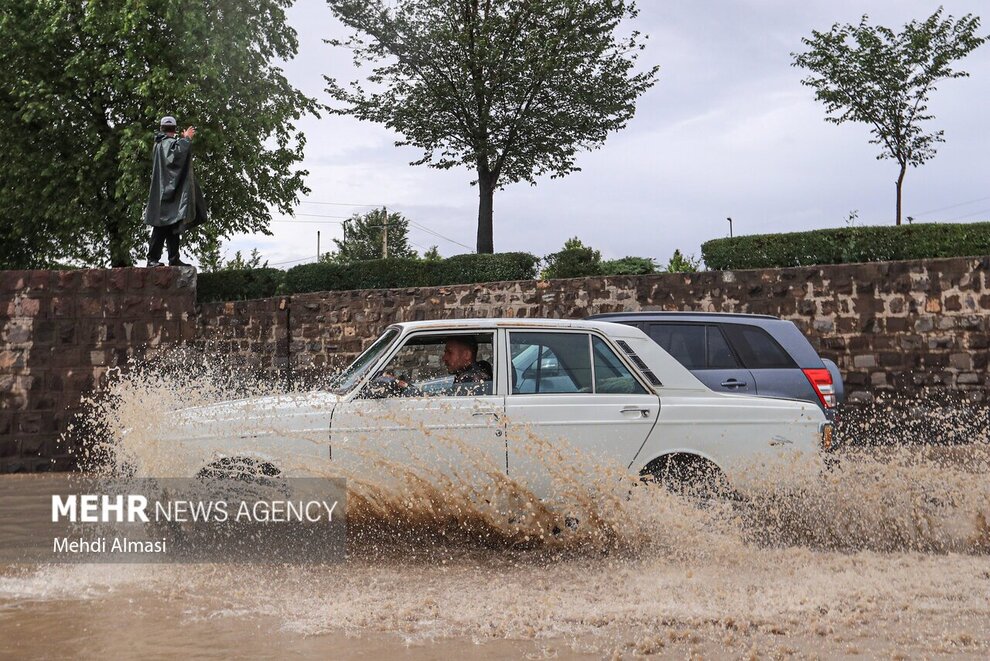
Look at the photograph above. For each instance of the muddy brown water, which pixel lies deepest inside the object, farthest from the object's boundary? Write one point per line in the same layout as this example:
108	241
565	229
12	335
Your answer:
886	557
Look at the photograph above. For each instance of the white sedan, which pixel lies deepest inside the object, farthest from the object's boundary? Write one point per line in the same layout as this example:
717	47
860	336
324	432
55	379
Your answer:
497	394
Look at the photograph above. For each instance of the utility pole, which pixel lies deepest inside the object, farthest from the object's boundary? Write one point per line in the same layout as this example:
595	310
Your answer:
385	233
317	245
730	227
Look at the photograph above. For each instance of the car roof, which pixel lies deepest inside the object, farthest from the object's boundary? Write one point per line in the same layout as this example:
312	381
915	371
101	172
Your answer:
609	328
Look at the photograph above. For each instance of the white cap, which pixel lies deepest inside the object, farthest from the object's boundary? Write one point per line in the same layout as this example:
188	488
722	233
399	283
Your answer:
168	120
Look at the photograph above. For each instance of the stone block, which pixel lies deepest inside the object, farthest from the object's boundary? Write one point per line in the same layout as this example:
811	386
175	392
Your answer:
67	281
961	361
12	281
40	280
946	323
969	378
895	325
823	325
864	362
93	279
63	306
35	423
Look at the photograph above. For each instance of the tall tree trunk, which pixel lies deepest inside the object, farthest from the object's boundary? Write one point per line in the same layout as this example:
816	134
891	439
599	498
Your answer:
119	252
486	209
900	184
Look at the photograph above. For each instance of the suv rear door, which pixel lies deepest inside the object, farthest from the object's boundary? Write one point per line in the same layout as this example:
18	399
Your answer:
775	371
703	349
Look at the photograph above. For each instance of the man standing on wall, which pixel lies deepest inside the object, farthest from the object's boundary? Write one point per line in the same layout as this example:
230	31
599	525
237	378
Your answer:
175	202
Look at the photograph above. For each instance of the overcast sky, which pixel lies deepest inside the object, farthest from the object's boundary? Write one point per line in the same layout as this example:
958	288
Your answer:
728	130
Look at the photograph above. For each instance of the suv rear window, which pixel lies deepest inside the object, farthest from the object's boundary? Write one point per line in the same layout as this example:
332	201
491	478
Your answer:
756	348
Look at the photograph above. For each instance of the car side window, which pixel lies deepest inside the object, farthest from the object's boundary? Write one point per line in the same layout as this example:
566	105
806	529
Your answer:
431	365
685	342
757	348
611	374
720	356
546	362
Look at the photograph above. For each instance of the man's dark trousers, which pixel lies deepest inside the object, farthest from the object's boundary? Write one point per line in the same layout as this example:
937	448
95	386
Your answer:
161	235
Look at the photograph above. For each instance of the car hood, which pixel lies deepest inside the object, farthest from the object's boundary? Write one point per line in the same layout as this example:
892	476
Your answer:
268	407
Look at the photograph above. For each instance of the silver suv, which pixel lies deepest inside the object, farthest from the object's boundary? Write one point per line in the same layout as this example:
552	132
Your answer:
743	353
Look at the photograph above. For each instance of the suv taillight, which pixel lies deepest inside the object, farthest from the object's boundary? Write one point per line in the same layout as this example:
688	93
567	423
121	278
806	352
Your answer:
821	381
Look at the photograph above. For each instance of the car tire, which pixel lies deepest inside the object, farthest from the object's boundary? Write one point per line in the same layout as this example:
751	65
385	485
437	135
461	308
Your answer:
248	469
688	475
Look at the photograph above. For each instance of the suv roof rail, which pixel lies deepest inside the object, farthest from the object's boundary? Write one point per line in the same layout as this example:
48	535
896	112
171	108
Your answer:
676	313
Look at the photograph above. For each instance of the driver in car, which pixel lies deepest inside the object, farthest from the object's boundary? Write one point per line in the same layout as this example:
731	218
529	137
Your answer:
472	377
460	357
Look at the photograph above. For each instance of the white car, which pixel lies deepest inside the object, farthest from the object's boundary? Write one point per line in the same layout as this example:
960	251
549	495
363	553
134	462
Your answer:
604	389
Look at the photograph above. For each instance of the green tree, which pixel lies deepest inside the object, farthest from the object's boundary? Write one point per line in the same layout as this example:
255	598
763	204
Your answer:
364	234
576	260
83	84
678	263
432	255
870	74
511	89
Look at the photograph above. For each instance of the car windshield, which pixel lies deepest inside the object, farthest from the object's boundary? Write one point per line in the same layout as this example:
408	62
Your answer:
344	382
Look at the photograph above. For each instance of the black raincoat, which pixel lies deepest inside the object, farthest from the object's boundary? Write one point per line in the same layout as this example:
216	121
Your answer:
175	196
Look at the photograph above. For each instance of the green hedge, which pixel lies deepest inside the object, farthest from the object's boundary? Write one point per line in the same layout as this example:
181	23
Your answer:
238	285
369	274
392	273
500	267
629	266
847	245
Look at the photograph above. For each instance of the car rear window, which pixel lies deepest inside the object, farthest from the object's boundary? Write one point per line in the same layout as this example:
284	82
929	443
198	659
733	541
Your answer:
696	346
547	362
756	348
685	342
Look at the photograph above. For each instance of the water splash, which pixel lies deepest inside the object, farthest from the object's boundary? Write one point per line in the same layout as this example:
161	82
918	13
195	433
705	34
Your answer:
891	543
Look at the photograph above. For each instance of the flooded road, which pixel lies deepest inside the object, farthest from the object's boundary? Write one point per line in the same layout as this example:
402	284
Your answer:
887	556
704	584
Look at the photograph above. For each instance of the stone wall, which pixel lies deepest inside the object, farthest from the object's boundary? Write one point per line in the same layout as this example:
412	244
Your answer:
889	326
61	332
894	327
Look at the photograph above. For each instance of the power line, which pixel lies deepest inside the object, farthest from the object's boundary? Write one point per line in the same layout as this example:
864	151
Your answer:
439	235
311	222
969	215
291	261
413	223
340	204
321	215
951	206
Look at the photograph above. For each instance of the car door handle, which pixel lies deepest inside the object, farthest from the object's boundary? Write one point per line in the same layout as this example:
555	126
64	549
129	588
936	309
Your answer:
732	383
478	414
640	411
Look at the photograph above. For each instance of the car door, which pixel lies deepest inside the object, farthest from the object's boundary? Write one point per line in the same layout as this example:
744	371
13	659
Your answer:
570	391
703	349
775	372
430	428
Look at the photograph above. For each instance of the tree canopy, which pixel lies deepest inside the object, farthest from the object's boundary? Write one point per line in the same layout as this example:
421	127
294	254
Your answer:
83	85
364	234
512	89
871	74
